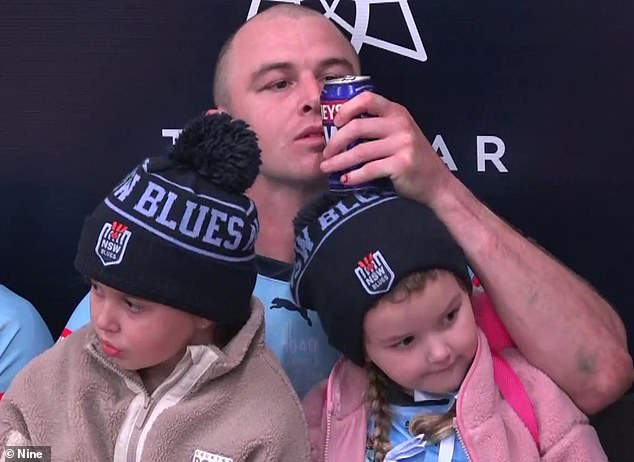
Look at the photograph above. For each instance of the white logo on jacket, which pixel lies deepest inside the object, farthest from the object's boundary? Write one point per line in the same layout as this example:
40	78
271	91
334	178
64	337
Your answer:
204	456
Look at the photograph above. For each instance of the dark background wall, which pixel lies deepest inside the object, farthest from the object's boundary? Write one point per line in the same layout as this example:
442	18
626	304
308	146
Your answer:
86	89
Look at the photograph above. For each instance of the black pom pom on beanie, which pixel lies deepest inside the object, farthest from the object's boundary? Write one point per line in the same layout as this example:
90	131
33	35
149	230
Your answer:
178	229
221	150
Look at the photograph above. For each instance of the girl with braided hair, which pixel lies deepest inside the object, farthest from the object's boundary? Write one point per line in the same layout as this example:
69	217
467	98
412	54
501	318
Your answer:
433	417
419	380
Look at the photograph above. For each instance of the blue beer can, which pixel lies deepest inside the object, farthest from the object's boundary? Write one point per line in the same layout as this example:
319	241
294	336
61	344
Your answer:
335	93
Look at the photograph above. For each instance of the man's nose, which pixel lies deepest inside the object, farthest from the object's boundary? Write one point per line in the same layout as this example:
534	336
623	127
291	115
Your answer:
311	92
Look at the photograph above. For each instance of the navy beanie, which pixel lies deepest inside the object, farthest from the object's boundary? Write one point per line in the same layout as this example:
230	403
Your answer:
352	249
178	229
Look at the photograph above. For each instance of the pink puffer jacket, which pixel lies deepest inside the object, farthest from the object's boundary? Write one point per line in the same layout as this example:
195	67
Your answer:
489	428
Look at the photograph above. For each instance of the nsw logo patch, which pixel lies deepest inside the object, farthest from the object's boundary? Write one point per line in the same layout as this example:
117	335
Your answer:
112	243
374	273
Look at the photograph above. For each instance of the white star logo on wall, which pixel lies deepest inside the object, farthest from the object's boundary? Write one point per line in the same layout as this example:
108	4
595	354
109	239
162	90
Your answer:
358	30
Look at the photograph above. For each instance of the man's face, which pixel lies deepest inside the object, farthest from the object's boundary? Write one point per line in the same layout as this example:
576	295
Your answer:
275	71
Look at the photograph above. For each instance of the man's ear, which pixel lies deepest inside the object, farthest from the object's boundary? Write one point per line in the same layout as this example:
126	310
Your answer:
218	109
203	323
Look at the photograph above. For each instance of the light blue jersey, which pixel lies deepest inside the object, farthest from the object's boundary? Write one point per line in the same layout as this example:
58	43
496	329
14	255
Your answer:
23	335
450	449
295	336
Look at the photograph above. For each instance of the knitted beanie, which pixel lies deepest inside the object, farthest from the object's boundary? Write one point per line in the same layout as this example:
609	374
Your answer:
352	249
178	229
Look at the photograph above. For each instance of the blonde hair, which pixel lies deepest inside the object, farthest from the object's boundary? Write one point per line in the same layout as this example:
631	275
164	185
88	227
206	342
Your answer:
434	427
411	283
379	411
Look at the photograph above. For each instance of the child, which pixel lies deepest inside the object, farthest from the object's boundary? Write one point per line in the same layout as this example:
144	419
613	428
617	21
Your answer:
393	293
173	366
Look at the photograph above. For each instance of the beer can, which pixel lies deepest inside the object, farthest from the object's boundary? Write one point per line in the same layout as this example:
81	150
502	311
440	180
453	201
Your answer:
335	93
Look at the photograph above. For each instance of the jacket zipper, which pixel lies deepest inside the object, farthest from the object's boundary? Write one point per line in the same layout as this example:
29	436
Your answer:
149	402
464	448
328	425
459	397
139	424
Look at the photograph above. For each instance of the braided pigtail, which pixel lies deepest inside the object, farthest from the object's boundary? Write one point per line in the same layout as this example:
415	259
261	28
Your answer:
379	411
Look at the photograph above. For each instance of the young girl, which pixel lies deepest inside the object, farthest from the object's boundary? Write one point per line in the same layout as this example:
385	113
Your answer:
418	381
173	365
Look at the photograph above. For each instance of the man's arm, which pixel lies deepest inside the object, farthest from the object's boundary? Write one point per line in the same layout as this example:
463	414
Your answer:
556	319
560	324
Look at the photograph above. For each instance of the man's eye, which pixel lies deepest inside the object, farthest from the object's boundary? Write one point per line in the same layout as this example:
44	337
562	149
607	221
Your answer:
279	85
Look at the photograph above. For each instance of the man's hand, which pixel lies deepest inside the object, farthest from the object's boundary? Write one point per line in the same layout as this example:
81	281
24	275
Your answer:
395	148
